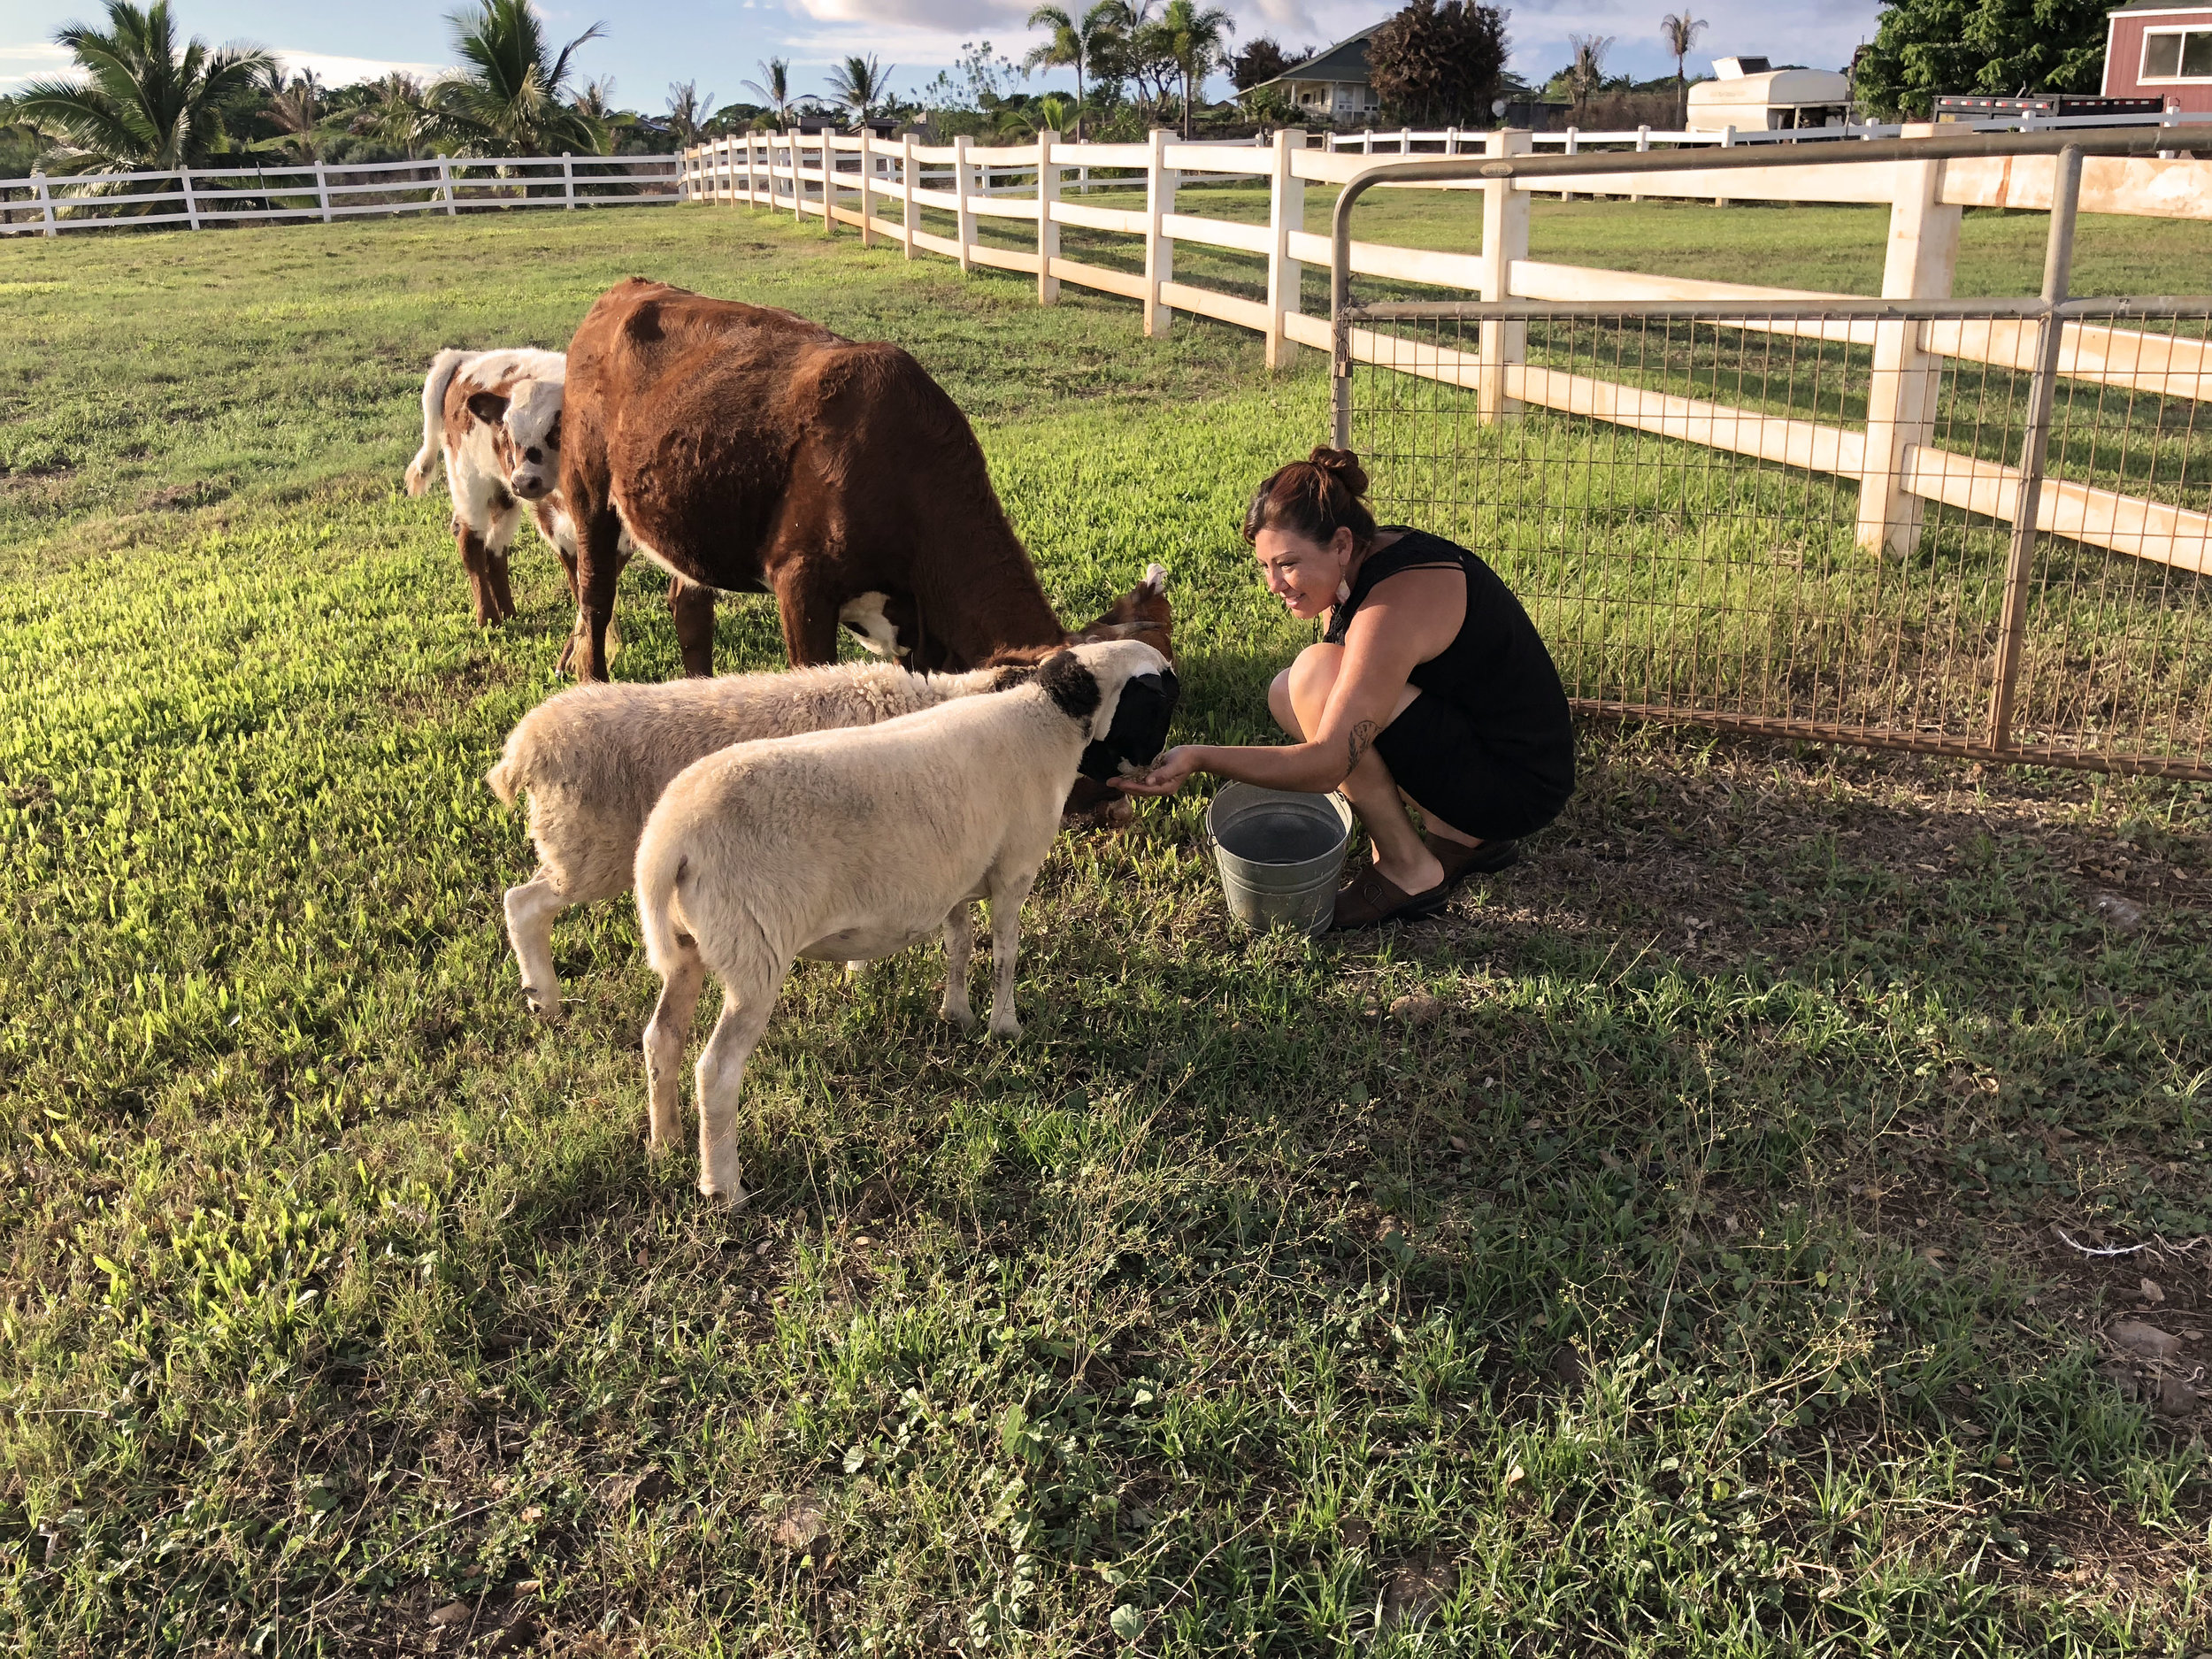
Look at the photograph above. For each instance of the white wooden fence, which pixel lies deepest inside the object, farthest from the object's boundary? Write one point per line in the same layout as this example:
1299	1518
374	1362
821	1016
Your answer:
197	197
883	187
1457	140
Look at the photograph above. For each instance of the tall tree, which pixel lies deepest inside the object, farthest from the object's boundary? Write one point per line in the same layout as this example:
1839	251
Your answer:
1679	31
1263	58
773	89
1439	64
391	110
1197	41
687	108
1587	74
145	103
1076	41
857	86
511	97
1994	47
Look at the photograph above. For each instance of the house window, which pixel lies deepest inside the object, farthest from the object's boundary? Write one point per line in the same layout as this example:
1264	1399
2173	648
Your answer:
2178	55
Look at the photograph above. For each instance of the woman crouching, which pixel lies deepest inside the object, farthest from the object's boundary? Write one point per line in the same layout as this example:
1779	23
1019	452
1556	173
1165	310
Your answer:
1430	684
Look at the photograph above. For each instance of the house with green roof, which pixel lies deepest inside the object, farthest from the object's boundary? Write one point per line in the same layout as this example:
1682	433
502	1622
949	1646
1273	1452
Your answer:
1332	85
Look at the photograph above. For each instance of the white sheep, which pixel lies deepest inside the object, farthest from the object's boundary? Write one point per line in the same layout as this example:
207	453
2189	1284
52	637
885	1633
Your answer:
594	759
853	844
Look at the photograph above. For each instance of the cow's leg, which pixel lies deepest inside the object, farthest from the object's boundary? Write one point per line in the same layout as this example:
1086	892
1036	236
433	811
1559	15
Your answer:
531	909
1006	921
598	563
476	560
809	605
498	543
745	1010
665	1035
692	607
959	951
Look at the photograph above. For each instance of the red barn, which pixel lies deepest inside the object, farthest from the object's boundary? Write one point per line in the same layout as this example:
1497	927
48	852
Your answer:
2156	49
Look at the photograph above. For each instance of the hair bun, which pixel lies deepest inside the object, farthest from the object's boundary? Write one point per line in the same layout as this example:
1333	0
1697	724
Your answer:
1342	465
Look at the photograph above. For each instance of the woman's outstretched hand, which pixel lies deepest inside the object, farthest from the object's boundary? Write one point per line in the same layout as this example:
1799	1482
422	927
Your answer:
1167	773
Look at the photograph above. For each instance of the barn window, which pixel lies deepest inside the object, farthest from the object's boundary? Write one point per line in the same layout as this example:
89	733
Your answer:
2178	55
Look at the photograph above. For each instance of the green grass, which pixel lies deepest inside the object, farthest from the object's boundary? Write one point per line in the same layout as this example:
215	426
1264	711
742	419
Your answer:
1653	1255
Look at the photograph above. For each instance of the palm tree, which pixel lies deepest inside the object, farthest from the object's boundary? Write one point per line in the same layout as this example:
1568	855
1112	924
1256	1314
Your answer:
146	105
857	86
1196	41
687	112
1679	31
391	110
297	108
773	89
596	100
1077	42
510	100
1587	74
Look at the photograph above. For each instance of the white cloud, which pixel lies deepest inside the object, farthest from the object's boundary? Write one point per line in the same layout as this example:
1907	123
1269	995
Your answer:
337	70
36	62
946	18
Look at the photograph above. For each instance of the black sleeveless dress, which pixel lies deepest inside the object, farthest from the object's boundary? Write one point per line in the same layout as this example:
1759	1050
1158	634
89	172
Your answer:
1489	746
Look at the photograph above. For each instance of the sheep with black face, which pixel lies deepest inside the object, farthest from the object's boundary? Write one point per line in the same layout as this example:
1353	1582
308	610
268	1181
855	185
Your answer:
846	845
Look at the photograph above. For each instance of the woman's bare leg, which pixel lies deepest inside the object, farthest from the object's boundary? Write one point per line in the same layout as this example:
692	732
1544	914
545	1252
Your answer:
1300	693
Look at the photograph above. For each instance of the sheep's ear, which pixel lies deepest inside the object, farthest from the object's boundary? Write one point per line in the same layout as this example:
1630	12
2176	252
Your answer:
1012	675
488	407
1155	579
1071	686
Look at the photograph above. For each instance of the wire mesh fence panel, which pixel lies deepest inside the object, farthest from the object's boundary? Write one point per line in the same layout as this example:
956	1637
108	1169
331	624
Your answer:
1802	521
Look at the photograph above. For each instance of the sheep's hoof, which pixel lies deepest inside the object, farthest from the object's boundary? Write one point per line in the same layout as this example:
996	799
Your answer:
547	1008
733	1200
1008	1028
963	1017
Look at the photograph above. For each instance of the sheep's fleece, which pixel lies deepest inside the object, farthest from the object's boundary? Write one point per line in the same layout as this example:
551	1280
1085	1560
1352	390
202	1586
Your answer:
857	843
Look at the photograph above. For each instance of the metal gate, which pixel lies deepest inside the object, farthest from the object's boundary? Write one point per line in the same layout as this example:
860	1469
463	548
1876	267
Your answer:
1714	514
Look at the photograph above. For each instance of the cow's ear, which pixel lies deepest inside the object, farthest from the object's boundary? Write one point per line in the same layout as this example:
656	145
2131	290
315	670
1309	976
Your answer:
488	407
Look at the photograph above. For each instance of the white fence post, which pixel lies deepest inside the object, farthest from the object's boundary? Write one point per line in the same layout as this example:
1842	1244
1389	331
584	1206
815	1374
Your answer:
45	200
1900	403
445	183
1367	142
1286	277
965	217
191	202
1574	147
909	210
1643	143
1405	141
568	182
1159	252
1505	240
1727	141
867	186
322	191
829	183
798	187
1048	227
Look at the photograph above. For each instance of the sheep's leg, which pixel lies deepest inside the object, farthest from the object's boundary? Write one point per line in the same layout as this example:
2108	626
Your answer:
721	1080
665	1035
959	951
531	909
1006	921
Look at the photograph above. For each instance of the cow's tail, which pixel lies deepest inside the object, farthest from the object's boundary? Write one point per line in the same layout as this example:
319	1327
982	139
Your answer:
433	389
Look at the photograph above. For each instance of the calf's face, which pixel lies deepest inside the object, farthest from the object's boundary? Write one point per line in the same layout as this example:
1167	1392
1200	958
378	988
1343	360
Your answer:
528	423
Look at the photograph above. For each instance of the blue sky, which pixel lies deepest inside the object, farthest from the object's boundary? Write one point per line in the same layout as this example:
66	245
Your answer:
649	44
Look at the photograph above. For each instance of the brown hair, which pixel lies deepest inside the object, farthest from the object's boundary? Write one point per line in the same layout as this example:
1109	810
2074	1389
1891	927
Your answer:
1315	498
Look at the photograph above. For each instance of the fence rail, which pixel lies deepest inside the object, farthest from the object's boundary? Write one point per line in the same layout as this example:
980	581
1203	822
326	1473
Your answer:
198	197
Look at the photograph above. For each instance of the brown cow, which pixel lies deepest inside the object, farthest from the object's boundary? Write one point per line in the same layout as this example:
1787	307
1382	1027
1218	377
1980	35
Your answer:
749	450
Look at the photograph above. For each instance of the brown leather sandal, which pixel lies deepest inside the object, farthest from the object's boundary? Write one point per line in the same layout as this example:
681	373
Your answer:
1371	898
1460	861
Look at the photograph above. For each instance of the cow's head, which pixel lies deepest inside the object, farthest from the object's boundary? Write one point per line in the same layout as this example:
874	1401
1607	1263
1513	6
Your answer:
1142	614
529	422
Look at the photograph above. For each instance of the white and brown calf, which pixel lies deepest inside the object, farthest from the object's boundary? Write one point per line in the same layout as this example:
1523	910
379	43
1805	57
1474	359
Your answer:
495	417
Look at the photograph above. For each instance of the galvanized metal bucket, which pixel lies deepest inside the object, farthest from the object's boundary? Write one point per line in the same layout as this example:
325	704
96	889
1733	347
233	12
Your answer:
1281	854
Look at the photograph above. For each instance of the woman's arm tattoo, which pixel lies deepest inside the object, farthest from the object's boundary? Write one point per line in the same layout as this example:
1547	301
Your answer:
1363	736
